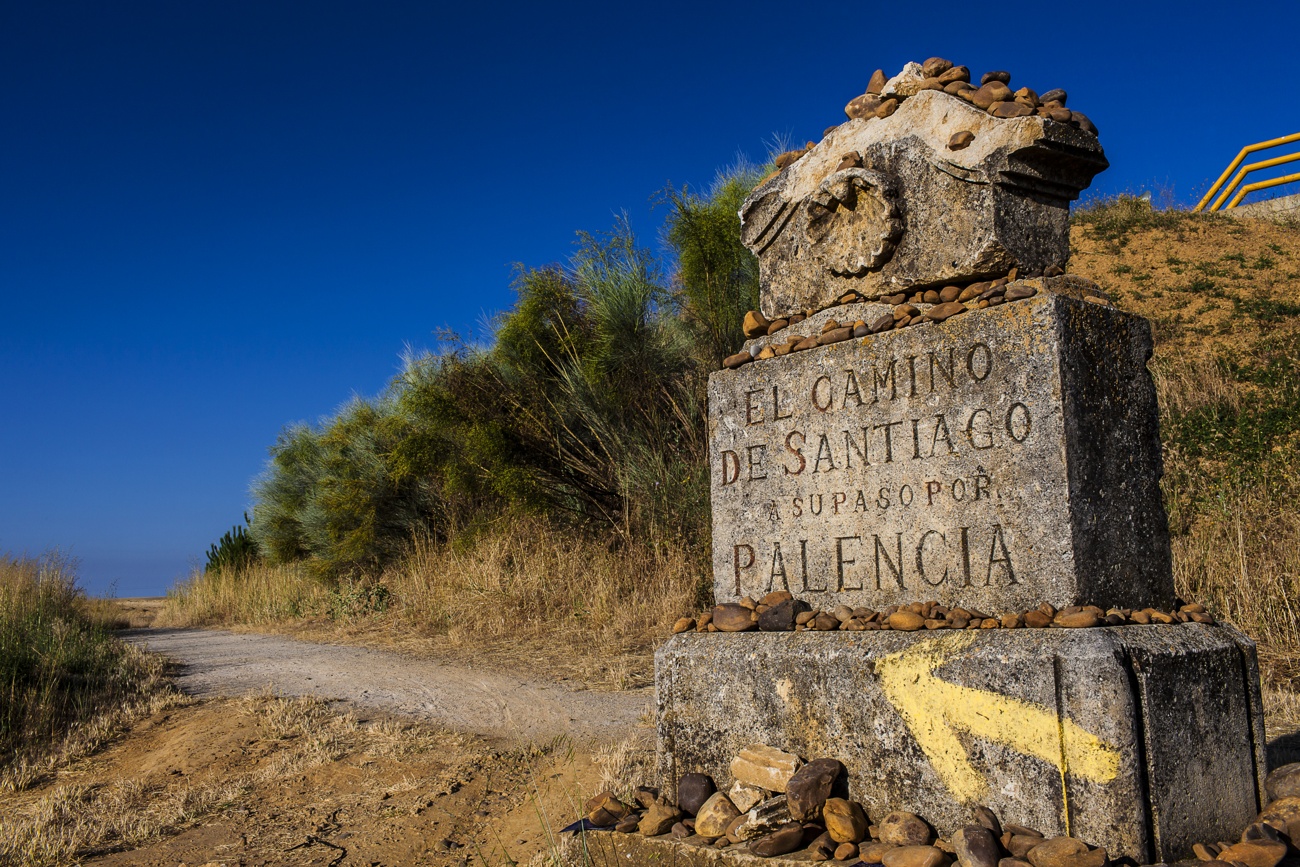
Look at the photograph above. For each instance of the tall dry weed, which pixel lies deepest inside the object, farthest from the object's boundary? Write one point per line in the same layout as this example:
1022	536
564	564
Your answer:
591	604
66	683
1236	540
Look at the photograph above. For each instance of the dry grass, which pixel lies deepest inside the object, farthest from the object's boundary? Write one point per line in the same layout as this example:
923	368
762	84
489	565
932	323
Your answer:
569	603
67	686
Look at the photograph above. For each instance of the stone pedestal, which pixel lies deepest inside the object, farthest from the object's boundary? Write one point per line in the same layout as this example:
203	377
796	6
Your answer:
1007	457
1141	739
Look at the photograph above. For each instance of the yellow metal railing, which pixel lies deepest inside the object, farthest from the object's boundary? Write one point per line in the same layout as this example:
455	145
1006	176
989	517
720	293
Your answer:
1247	169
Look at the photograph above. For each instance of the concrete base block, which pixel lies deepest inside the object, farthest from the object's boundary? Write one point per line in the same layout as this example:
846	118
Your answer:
605	848
1141	739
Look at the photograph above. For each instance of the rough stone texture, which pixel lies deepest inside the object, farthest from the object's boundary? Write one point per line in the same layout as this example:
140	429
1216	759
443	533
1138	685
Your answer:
764	767
633	849
1163	716
917	213
858	474
1281	208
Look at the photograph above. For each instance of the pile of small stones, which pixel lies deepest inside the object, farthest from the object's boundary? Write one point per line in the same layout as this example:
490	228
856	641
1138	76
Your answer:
993	95
780	611
779	804
944	303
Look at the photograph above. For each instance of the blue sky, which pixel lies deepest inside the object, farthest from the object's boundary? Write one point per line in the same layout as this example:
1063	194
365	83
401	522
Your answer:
219	218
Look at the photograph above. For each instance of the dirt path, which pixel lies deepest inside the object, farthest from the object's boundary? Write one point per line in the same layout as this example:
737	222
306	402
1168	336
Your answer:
488	703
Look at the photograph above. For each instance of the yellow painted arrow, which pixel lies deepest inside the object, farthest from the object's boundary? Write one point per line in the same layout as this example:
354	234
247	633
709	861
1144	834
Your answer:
936	710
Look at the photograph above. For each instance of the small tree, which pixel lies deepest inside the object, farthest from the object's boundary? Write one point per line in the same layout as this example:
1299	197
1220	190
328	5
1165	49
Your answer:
716	272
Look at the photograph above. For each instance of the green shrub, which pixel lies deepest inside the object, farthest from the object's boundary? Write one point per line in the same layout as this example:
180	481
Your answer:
234	550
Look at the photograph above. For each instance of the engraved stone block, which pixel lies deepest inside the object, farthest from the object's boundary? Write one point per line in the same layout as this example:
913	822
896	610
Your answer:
1008	457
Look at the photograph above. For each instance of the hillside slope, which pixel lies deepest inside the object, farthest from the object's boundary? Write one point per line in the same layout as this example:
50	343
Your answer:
1223	297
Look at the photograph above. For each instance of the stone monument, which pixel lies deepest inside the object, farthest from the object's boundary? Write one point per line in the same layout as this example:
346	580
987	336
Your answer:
930	411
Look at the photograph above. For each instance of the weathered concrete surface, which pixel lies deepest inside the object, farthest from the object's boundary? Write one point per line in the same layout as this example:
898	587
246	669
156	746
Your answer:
607	848
916	213
1281	208
1006	457
1142	739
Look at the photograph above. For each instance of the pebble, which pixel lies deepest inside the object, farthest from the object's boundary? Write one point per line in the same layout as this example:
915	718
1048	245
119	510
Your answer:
683	624
1017	293
1010	109
755	324
658	820
906	621
988	819
999	75
837	335
812	785
781	617
955	75
733	617
1284	813
744	796
764	767
871	853
1020	844
887	108
1082	122
940	312
776	325
825	622
605	810
877	83
989	93
1054	95
822	848
1284	782
782	841
845	821
680	831
960	140
976	846
1055	852
731	362
914	856
959	88
935	67
693	790
845	851
1255	853
901	828
863	106
628	824
715	815
1078	620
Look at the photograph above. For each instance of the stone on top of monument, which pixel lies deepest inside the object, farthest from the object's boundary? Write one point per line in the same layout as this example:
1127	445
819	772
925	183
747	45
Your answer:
1006	458
886	202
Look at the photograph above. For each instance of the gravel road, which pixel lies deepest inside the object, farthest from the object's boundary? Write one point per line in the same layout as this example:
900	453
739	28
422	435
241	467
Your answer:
227	663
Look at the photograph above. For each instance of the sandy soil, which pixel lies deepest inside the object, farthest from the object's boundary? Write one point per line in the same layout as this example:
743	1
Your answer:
467	699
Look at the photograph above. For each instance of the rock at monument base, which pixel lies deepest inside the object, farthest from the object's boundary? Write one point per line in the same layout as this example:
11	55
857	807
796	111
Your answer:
1008	457
939	723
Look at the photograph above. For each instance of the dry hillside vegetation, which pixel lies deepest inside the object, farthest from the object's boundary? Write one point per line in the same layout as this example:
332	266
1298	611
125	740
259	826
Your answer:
1223	297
